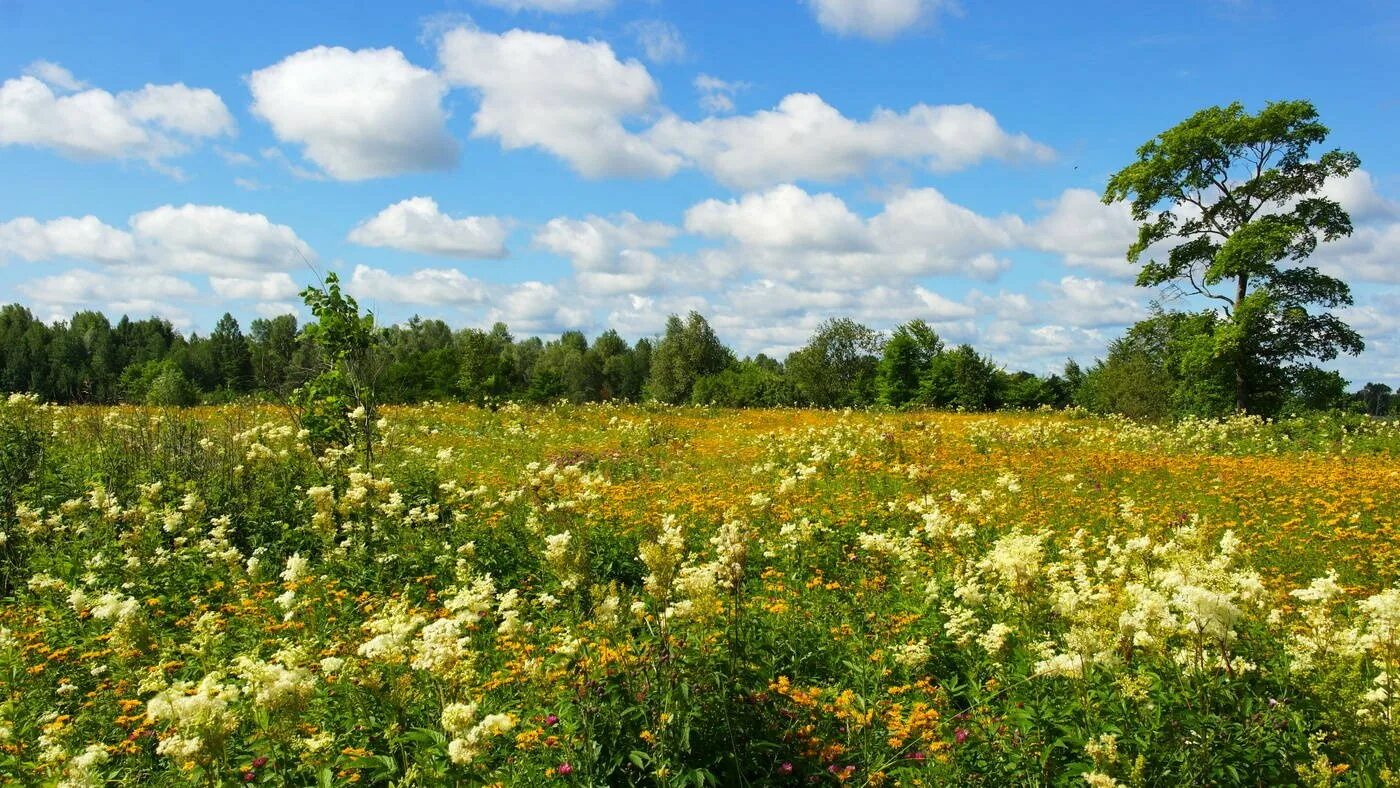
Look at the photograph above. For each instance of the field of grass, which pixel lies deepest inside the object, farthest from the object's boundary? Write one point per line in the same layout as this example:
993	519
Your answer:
605	595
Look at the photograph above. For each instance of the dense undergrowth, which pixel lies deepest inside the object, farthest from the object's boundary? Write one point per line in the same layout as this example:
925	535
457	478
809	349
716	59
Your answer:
643	595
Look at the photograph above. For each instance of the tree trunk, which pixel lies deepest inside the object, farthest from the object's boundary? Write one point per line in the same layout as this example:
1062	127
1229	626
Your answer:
1241	385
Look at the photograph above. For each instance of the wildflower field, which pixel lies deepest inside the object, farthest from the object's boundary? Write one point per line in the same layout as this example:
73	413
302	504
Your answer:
600	595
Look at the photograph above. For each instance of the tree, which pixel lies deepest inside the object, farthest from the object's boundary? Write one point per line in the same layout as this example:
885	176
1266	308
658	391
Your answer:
273	349
340	403
1238	194
686	351
906	357
837	366
961	378
232	361
484	366
169	386
748	384
1376	398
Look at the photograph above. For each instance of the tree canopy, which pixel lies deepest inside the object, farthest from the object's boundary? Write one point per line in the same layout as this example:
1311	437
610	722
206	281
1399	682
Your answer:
1236	199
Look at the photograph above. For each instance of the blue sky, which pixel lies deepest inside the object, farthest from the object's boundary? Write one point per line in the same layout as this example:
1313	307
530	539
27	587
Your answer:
589	163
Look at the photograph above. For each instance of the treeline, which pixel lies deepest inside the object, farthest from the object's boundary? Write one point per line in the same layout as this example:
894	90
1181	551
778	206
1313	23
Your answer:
1152	372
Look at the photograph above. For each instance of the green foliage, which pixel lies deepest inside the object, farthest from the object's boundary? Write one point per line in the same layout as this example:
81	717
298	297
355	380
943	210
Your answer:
687	351
748	384
837	367
906	357
339	403
961	379
170	387
1239	196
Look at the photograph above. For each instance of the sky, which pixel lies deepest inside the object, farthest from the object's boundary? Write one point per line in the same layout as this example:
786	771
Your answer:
586	164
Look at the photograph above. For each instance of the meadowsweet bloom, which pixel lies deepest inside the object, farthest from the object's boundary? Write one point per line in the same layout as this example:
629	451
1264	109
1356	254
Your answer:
199	718
296	568
458	718
1015	559
994	639
274	687
440	647
912	655
392	631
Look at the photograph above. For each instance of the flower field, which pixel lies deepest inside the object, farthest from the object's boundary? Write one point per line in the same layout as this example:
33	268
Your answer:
600	595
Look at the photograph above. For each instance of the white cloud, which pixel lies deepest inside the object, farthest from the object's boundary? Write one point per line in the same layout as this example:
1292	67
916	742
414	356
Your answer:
438	286
154	123
268	287
54	75
270	309
563	96
1086	302
610	255
79	287
538	306
217	241
806	138
418	225
789	234
877	19
358	114
594	243
1086	233
1368	254
783	217
575	99
65	238
245	254
661	41
551	6
717	95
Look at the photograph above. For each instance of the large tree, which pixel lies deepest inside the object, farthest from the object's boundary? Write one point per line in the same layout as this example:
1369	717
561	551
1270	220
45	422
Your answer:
687	351
1238	199
837	366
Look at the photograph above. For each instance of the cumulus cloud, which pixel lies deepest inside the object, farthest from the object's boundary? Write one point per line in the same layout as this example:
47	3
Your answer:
1093	303
560	95
267	287
877	19
578	101
788	233
594	243
437	286
1086	233
84	238
783	217
804	138
49	108
661	41
358	114
1368	254
215	240
245	255
418	225
539	306
610	255
717	95
59	295
53	74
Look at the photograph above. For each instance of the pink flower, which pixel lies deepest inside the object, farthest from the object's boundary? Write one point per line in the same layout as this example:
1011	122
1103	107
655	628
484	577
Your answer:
565	768
551	719
960	735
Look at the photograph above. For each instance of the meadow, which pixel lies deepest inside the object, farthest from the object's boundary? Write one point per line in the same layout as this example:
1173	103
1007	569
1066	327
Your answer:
650	595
